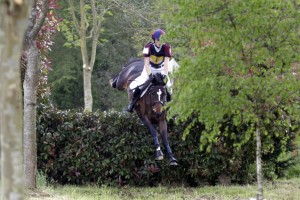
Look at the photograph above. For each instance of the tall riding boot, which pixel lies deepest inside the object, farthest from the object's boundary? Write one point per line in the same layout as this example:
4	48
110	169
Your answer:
135	97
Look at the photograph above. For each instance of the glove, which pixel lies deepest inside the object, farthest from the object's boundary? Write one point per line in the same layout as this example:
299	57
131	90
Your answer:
151	78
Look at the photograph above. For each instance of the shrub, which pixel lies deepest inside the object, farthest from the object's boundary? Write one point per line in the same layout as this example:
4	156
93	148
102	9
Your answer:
115	148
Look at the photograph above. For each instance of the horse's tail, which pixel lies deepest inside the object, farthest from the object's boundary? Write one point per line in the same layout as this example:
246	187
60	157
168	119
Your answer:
113	81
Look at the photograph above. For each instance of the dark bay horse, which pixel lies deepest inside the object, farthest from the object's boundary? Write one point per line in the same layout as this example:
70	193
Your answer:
149	107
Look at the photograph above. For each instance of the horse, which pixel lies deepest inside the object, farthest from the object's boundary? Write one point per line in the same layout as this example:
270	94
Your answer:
132	70
150	106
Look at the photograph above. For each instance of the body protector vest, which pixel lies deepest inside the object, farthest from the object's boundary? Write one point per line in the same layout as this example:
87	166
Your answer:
157	54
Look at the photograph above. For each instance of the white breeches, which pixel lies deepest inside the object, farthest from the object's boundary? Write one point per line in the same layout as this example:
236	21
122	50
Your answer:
144	77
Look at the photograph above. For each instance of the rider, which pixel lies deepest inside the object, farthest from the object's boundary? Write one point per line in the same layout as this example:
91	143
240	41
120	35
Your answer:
156	58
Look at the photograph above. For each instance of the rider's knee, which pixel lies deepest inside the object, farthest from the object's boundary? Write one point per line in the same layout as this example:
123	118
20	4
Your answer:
133	85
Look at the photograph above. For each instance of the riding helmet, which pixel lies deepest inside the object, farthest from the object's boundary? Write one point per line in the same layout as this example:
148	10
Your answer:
157	33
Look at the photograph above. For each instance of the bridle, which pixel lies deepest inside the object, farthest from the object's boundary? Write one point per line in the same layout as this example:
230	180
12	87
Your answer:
161	97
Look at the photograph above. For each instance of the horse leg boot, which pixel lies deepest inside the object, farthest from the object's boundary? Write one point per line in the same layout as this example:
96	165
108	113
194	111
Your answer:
172	159
158	153
164	135
135	97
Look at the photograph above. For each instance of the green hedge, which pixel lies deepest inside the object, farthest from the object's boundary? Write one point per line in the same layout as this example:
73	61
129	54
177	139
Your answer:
115	148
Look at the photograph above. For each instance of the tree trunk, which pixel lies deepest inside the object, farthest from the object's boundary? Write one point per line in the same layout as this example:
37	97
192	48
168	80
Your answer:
81	27
30	85
258	164
11	125
13	23
88	99
30	95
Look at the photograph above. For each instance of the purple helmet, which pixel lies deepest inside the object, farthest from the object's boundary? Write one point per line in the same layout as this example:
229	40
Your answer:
157	33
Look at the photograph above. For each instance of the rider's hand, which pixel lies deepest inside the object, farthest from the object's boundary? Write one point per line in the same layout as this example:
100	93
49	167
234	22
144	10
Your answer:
151	77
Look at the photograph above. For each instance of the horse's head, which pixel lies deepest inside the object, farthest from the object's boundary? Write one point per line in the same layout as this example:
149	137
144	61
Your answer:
158	79
158	96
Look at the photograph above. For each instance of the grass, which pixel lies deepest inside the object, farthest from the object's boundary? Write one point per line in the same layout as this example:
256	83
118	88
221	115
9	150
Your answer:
277	190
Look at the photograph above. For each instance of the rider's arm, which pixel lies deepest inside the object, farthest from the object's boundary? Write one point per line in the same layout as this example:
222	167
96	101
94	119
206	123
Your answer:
146	53
166	65
167	52
147	65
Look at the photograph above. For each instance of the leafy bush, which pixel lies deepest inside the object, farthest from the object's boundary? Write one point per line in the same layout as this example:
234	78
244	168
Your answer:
115	148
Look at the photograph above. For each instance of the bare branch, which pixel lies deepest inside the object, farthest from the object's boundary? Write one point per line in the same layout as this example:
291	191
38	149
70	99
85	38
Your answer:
98	18
139	12
40	21
76	23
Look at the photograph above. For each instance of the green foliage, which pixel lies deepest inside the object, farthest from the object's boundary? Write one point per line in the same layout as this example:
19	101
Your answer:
237	59
65	79
114	148
294	170
41	180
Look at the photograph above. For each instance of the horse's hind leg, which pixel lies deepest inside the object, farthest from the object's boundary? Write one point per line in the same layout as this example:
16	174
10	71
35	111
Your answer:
164	134
152	130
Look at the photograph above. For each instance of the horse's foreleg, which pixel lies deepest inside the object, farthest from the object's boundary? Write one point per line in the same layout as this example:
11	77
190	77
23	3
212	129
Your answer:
164	134
153	132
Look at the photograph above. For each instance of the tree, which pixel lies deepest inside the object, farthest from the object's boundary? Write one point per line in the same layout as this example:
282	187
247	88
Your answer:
14	16
30	85
42	25
237	62
84	29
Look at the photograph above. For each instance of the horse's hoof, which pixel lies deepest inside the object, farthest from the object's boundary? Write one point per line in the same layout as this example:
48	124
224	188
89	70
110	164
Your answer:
172	160
159	155
159	158
173	163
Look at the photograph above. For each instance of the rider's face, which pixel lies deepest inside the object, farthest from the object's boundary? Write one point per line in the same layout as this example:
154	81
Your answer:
161	39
